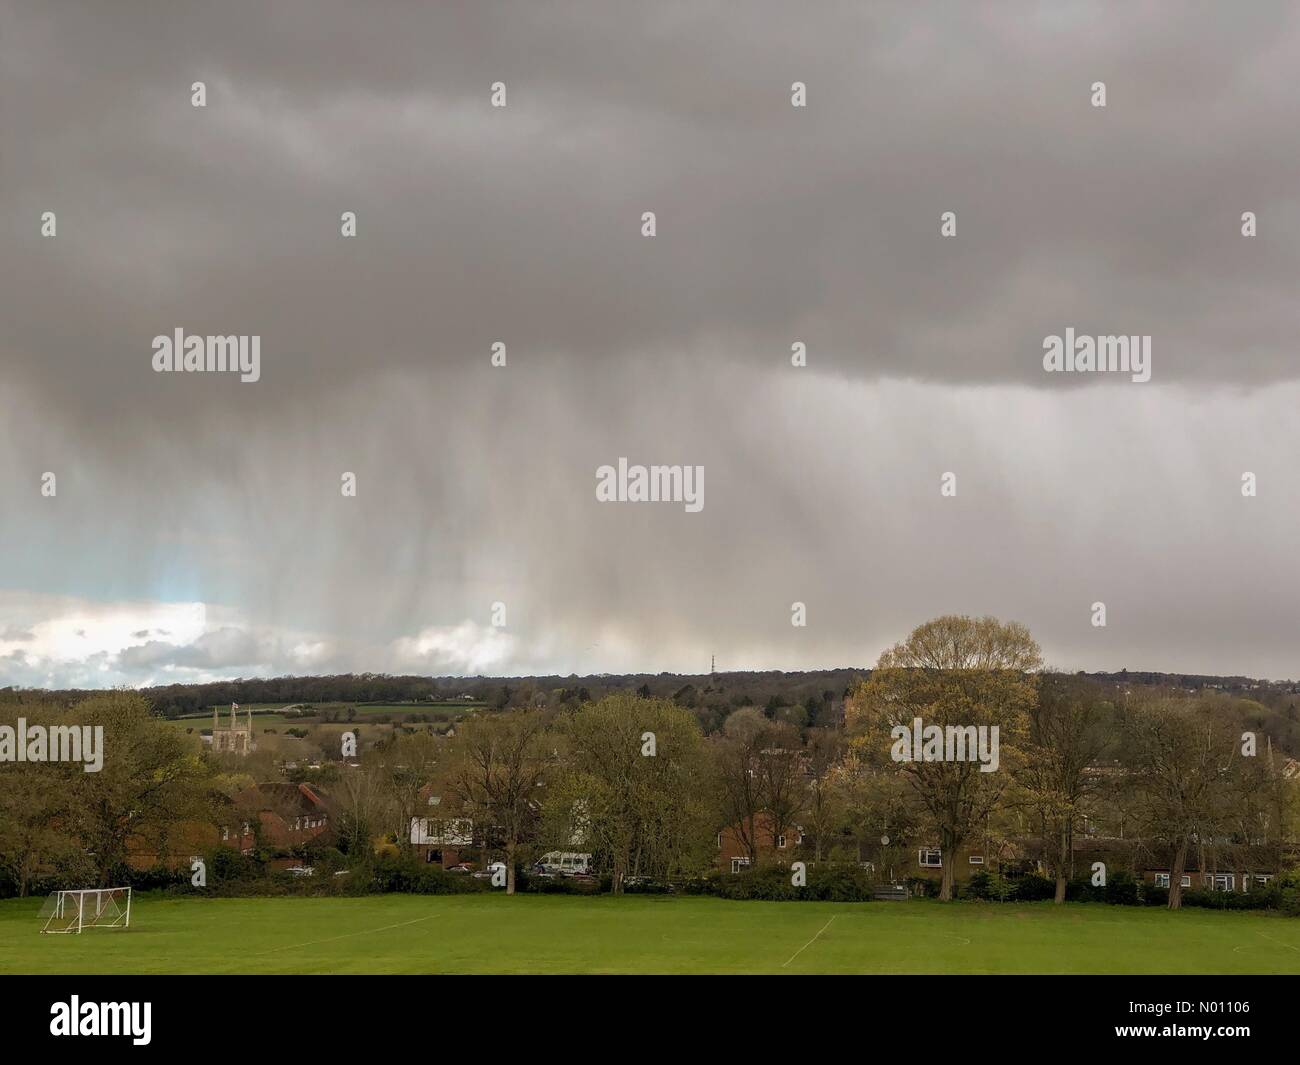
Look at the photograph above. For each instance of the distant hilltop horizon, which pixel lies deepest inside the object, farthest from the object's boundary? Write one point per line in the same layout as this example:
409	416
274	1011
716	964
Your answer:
372	687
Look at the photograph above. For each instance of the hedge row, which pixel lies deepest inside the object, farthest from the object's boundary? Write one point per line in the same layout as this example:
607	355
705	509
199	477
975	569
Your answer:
230	873
825	883
1123	889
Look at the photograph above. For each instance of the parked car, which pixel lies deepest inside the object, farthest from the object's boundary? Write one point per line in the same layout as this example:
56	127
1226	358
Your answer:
484	874
564	863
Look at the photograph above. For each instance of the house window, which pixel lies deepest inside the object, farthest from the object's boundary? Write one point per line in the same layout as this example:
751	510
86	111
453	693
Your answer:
225	833
1162	880
780	842
739	864
977	859
930	858
1221	881
1186	881
1259	879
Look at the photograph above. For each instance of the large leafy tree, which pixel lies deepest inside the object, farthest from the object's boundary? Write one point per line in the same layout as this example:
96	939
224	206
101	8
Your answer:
35	798
823	805
630	785
877	806
951	672
740	787
410	762
1186	764
1067	735
149	780
497	763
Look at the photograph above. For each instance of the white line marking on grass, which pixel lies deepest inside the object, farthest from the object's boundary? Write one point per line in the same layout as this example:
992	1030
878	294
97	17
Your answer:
345	935
809	943
1278	942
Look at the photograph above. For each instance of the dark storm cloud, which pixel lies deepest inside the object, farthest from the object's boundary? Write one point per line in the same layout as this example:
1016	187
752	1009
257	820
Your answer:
775	225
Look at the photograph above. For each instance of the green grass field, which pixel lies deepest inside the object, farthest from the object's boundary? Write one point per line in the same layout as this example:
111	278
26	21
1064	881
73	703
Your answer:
561	934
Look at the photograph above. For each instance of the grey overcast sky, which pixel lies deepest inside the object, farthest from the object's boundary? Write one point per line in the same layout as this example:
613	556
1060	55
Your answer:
199	529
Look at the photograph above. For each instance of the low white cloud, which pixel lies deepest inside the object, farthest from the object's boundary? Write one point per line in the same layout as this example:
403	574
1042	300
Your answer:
467	648
62	642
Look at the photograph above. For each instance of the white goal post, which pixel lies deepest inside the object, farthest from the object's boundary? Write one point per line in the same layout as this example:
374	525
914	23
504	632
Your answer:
75	909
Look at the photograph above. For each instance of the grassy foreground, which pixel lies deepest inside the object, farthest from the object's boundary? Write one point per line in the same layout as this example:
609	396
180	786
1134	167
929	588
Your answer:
558	934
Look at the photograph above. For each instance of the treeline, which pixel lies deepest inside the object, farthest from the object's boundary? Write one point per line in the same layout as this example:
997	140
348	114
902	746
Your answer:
805	697
61	826
812	698
651	783
635	780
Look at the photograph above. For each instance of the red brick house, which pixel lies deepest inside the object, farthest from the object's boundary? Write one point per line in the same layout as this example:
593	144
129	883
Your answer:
172	847
278	814
734	855
924	859
1233	867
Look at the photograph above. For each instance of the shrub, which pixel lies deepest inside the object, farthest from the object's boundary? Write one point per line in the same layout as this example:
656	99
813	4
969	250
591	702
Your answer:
560	885
842	883
408	874
1080	889
646	885
826	883
1155	896
326	859
1034	888
226	865
990	886
1122	890
1260	899
160	876
1288	892
769	884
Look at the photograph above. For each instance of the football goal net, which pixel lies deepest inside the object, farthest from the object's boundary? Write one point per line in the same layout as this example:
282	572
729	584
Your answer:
71	911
